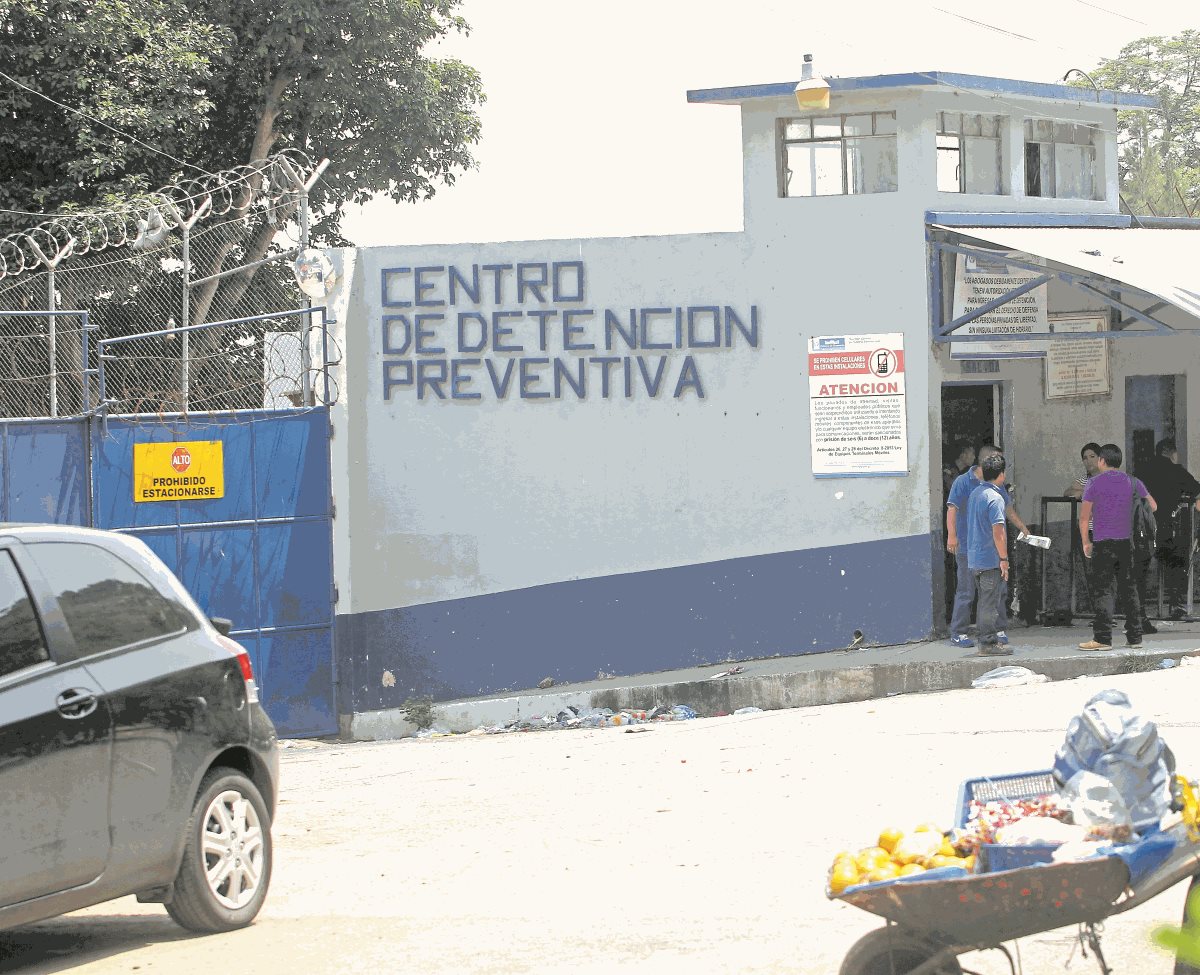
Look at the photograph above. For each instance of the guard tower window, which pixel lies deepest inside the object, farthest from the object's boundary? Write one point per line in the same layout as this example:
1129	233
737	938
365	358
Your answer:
839	154
968	153
1060	159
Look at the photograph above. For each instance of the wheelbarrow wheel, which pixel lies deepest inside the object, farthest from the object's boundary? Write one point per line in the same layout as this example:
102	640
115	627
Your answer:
892	951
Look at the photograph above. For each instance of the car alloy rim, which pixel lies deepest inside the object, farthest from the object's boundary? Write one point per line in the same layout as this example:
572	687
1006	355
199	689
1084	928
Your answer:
233	849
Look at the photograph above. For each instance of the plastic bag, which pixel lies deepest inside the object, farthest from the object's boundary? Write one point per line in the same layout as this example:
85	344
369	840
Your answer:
1097	804
1009	677
1112	740
1036	830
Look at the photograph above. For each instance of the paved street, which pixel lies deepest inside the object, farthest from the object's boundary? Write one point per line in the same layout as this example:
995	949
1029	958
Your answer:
696	846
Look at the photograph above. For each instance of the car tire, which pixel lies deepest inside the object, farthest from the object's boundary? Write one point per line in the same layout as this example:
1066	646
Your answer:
227	856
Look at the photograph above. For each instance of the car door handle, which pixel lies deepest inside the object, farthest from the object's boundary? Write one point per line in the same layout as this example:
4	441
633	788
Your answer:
78	702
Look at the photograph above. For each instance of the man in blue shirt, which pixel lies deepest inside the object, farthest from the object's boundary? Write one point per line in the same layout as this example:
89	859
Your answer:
956	539
987	552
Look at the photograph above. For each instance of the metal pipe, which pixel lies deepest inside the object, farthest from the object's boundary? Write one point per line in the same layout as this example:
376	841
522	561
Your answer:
53	337
285	255
270	316
185	350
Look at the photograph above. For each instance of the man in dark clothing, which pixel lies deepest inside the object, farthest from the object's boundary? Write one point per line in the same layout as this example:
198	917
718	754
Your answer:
1108	505
1173	488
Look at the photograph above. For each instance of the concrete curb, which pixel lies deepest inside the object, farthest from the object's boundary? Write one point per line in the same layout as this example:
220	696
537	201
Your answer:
768	691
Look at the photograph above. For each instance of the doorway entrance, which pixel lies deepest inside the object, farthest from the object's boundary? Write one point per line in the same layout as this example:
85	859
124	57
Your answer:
970	417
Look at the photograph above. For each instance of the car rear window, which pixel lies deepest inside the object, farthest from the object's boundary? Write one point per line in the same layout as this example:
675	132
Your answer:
21	641
106	601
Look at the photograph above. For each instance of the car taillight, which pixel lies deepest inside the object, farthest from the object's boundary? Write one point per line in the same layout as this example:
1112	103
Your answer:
243	659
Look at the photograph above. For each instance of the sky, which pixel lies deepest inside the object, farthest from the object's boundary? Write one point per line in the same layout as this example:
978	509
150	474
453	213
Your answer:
587	131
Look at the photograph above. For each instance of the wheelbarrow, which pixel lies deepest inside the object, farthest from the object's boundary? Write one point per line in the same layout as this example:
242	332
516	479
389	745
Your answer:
935	919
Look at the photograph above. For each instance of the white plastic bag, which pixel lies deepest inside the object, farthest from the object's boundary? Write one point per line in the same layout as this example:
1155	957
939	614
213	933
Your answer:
1009	677
1097	805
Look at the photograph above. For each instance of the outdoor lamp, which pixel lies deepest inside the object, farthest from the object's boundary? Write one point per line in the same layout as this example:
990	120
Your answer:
811	92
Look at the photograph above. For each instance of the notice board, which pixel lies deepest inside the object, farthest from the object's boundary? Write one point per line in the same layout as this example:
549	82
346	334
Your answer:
857	413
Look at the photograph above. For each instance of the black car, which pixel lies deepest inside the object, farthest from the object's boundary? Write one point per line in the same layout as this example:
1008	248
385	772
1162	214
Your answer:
134	755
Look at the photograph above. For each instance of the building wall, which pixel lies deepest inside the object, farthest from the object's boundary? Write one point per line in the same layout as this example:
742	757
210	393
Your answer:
484	544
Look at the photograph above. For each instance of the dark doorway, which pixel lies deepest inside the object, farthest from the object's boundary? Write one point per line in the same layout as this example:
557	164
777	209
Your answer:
1153	410
969	415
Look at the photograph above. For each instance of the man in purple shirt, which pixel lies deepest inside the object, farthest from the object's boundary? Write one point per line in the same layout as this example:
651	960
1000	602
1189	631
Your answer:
1108	505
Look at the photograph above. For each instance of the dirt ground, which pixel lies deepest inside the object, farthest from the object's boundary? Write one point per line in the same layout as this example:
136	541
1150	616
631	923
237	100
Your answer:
698	845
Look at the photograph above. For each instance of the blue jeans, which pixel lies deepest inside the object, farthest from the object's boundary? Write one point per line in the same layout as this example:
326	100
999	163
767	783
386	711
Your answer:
964	596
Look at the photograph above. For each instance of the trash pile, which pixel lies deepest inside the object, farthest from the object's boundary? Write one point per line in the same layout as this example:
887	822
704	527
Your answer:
1112	790
573	717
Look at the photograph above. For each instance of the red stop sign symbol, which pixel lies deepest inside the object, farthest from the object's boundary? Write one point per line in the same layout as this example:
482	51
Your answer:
181	460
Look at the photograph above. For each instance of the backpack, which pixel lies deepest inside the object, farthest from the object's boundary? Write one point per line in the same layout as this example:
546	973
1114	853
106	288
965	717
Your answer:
1142	526
1109	738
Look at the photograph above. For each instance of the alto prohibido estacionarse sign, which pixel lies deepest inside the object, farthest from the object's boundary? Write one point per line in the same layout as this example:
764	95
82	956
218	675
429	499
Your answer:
190	471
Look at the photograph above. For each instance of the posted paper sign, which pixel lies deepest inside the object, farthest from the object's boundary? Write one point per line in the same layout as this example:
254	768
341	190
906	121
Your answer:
979	281
856	405
1077	368
191	471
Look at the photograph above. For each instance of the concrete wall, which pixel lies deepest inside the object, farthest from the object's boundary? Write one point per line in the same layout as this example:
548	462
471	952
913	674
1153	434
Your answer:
486	543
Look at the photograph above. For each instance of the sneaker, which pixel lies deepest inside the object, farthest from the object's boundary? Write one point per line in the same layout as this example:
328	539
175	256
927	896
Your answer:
994	650
1133	646
962	640
1179	616
1148	627
1002	638
1095	645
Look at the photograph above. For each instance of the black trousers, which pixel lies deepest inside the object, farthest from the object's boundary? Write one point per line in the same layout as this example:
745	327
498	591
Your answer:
1173	556
1112	561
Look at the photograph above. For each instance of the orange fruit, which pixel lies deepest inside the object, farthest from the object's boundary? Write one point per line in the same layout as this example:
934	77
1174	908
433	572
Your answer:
910	869
871	857
885	871
947	849
889	838
842	875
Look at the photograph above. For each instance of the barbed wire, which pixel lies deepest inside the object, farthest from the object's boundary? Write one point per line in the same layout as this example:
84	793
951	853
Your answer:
258	188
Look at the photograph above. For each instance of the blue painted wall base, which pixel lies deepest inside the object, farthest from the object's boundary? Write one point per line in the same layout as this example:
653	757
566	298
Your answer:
784	603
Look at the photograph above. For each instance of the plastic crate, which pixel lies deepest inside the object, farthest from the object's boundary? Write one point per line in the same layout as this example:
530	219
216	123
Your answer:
1014	786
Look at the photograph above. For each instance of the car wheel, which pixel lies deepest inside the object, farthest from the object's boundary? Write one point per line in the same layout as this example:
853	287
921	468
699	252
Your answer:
227	855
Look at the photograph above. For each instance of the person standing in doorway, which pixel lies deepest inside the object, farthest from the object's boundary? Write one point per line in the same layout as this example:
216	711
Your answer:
987	552
1090	454
1108	506
1174	488
959	458
956	539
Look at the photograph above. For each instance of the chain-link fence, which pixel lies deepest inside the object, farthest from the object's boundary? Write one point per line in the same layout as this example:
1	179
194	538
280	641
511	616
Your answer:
272	361
198	253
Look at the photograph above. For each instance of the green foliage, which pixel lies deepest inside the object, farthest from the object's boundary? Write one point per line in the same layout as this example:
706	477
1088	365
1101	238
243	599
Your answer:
1185	941
216	83
1159	157
420	711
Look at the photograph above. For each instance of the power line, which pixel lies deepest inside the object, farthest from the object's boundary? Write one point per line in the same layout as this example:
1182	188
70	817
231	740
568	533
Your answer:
1094	6
92	118
980	23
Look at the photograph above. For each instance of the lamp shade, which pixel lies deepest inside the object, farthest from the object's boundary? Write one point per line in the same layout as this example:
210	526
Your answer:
812	93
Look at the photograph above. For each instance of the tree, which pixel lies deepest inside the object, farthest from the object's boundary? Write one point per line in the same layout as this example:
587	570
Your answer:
215	83
1159	150
200	86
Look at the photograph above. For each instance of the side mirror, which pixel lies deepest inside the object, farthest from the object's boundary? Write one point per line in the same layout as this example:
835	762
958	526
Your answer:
222	625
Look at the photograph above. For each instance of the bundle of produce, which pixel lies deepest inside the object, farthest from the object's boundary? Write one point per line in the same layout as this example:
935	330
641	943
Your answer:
897	854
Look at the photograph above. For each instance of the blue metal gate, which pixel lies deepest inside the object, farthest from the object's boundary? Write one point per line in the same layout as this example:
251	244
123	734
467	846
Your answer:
260	556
